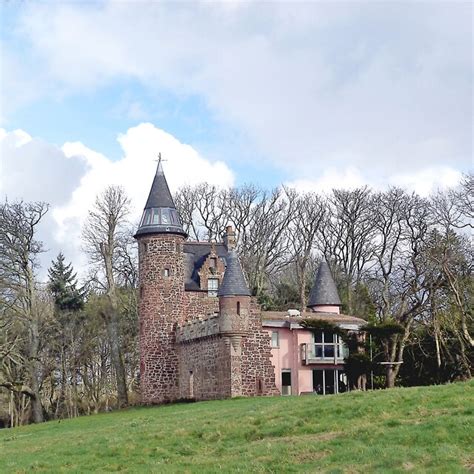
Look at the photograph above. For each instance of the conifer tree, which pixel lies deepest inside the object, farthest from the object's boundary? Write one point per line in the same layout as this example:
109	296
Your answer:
63	286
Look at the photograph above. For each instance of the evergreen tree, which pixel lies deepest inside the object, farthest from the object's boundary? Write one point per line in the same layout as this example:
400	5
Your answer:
63	286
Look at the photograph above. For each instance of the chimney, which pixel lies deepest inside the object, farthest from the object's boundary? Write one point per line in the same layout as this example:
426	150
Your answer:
229	238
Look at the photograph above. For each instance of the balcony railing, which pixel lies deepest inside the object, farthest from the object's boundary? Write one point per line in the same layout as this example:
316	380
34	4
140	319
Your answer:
324	353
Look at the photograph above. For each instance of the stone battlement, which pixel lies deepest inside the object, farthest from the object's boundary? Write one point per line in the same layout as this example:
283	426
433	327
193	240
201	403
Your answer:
198	329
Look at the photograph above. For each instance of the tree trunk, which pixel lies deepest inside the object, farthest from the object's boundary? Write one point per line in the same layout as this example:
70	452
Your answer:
116	357
391	375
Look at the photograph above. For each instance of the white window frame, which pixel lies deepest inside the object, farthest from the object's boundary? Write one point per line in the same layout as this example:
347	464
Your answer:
212	290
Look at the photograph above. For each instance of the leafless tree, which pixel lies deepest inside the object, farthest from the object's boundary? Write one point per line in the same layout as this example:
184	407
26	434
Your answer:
19	251
309	215
103	235
346	234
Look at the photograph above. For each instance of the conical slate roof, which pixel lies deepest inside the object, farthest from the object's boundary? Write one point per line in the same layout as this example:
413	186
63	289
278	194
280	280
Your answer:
233	283
160	215
324	291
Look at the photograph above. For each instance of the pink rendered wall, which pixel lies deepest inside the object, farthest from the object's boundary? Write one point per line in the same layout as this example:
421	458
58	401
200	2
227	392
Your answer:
326	309
288	356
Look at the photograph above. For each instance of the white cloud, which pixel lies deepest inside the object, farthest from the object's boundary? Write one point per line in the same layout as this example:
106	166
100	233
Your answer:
71	177
428	180
331	178
389	82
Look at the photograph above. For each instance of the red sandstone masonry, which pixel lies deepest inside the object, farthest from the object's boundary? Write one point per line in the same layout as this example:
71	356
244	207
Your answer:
160	310
205	364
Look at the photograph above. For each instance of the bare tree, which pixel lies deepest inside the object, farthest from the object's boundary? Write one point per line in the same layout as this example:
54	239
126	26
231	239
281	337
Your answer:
309	214
103	235
345	236
19	251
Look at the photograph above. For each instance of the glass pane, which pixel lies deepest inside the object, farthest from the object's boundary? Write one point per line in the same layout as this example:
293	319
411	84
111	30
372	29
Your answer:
329	351
329	382
328	337
286	378
342	381
319	350
165	218
156	216
174	217
318	336
274	339
318	382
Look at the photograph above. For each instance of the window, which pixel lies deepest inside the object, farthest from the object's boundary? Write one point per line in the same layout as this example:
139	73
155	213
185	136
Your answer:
165	218
166	272
286	382
213	262
275	339
329	381
212	286
156	216
327	345
238	308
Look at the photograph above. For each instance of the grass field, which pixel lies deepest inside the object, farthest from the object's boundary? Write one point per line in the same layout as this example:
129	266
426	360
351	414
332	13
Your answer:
428	429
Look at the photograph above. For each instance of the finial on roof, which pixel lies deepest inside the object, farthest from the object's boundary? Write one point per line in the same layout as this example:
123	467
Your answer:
159	166
233	283
324	291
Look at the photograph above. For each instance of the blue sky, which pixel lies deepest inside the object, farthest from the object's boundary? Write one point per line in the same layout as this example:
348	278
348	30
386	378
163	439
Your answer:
312	94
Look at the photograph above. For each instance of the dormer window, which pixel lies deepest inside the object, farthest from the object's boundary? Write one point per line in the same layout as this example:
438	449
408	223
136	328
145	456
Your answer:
212	286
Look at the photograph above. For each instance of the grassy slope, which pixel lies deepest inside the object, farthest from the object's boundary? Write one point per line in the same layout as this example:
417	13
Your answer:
425	429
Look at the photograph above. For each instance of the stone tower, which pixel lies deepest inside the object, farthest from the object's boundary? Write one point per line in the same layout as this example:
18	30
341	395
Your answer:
160	239
234	314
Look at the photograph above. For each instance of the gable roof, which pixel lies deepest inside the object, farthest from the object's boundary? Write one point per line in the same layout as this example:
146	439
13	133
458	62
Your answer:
195	254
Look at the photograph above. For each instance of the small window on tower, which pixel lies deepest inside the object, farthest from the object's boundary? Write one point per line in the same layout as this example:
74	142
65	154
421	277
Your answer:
238	308
166	272
212	286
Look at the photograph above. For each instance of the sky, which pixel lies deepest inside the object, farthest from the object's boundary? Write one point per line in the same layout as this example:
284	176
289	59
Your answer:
317	95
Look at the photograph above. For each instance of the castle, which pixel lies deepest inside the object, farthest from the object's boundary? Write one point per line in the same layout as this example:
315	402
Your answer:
202	335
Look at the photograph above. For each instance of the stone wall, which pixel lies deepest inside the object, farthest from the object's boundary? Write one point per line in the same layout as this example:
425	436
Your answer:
204	369
198	305
198	329
258	373
161	273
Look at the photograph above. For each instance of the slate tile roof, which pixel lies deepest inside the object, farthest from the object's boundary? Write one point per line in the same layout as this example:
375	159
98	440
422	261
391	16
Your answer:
233	283
324	291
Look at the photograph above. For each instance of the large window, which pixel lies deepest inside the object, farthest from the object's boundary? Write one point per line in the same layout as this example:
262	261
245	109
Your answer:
212	286
329	381
327	345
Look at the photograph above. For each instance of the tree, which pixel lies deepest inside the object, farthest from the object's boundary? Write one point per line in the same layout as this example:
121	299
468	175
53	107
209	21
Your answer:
103	235
68	302
19	250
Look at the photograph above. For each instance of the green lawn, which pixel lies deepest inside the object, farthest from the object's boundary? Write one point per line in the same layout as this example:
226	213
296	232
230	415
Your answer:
426	429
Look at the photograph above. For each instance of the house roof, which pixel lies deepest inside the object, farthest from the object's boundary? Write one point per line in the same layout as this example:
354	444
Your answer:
233	283
324	291
195	254
335	318
160	215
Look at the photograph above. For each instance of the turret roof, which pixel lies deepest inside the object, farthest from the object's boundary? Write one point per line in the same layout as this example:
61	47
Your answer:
324	291
160	215
233	283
